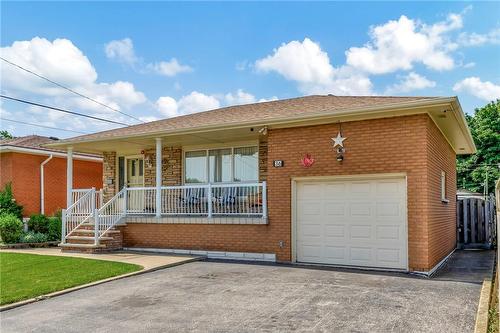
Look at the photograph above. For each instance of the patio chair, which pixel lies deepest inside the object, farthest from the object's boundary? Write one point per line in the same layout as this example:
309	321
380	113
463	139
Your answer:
228	196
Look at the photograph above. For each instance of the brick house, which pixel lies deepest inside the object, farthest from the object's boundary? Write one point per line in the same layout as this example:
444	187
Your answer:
354	181
38	175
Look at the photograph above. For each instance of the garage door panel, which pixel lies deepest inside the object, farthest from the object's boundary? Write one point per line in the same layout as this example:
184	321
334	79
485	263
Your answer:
310	208
335	208
335	231
388	232
360	209
388	257
311	230
361	232
352	222
361	255
388	209
336	253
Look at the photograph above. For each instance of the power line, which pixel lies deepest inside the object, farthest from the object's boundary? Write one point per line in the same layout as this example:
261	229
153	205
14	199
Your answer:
43	126
62	110
69	89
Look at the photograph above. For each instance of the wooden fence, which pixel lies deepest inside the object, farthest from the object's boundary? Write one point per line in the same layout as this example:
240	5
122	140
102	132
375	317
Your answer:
476	222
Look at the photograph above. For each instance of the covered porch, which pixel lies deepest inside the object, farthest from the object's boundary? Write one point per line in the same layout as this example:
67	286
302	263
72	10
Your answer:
214	178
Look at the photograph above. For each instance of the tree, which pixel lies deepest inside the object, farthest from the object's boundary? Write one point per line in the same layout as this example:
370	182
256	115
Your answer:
5	135
472	169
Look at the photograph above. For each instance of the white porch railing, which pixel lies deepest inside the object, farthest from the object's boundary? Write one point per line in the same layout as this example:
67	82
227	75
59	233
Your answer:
79	193
109	214
235	199
79	212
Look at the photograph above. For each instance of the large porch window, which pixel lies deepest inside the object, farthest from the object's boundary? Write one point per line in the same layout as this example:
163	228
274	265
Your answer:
239	164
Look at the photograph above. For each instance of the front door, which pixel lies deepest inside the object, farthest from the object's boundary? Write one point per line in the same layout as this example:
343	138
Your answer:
135	178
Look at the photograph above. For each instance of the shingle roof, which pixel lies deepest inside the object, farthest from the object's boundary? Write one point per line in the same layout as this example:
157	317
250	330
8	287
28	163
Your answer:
30	141
257	112
36	142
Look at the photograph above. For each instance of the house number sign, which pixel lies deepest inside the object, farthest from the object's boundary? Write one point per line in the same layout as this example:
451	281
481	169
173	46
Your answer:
278	163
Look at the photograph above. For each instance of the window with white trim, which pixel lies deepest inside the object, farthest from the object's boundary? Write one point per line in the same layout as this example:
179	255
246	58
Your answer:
443	187
224	165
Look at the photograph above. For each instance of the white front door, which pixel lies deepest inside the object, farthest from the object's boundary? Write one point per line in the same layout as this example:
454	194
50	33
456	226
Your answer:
352	222
134	171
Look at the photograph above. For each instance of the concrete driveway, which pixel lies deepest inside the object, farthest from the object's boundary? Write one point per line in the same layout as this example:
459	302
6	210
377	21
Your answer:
209	296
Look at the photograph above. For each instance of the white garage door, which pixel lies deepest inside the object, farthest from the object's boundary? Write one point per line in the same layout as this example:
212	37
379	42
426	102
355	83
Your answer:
352	222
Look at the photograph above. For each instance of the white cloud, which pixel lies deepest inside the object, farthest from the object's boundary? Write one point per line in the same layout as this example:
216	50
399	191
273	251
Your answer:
191	103
410	82
167	106
61	61
398	45
475	39
121	50
484	90
240	97
298	61
196	102
469	65
170	68
308	65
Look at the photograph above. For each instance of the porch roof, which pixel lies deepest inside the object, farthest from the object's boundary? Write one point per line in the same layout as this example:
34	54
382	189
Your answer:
234	121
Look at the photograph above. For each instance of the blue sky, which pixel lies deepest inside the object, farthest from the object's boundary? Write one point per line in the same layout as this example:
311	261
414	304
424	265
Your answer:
155	60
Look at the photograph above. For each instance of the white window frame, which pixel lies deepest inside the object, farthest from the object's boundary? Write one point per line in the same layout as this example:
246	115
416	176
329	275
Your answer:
207	174
443	187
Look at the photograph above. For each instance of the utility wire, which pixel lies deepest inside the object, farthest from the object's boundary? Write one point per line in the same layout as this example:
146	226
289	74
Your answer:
62	110
38	125
69	89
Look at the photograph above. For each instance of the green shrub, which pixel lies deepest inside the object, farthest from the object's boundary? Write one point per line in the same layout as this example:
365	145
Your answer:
55	224
39	223
33	237
8	204
11	228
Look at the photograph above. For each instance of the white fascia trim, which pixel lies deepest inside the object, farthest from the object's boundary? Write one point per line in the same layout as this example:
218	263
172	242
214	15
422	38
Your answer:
33	151
226	255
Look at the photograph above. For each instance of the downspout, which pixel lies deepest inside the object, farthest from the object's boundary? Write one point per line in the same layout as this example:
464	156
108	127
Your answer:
42	190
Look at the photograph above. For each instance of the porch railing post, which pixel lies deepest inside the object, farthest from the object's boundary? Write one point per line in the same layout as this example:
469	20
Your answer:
63	226
264	200
209	200
158	177
125	200
96	227
101	199
93	200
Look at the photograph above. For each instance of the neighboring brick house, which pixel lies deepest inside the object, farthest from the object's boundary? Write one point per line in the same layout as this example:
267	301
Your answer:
354	181
21	163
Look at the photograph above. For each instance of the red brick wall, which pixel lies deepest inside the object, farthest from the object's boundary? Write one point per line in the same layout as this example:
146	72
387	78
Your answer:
442	216
391	145
25	178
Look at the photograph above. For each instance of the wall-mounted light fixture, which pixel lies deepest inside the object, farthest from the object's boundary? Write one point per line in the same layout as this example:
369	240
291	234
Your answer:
263	130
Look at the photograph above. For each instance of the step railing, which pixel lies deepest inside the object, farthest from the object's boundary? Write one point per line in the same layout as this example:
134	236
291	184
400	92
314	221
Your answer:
79	212
109	214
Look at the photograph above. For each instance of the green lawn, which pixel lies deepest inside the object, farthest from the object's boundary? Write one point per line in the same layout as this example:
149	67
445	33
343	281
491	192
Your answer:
24	276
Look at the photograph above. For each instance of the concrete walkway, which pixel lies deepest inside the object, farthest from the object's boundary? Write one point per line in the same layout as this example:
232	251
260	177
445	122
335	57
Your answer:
149	261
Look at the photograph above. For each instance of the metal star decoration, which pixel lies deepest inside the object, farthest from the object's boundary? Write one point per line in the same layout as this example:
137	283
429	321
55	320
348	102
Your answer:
338	141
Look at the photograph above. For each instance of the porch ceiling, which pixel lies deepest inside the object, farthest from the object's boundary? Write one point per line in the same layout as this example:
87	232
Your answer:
134	145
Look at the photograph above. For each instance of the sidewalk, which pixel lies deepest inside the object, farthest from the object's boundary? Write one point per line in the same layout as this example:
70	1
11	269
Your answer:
150	261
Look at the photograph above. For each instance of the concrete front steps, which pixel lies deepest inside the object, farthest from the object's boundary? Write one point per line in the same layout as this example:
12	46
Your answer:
82	240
